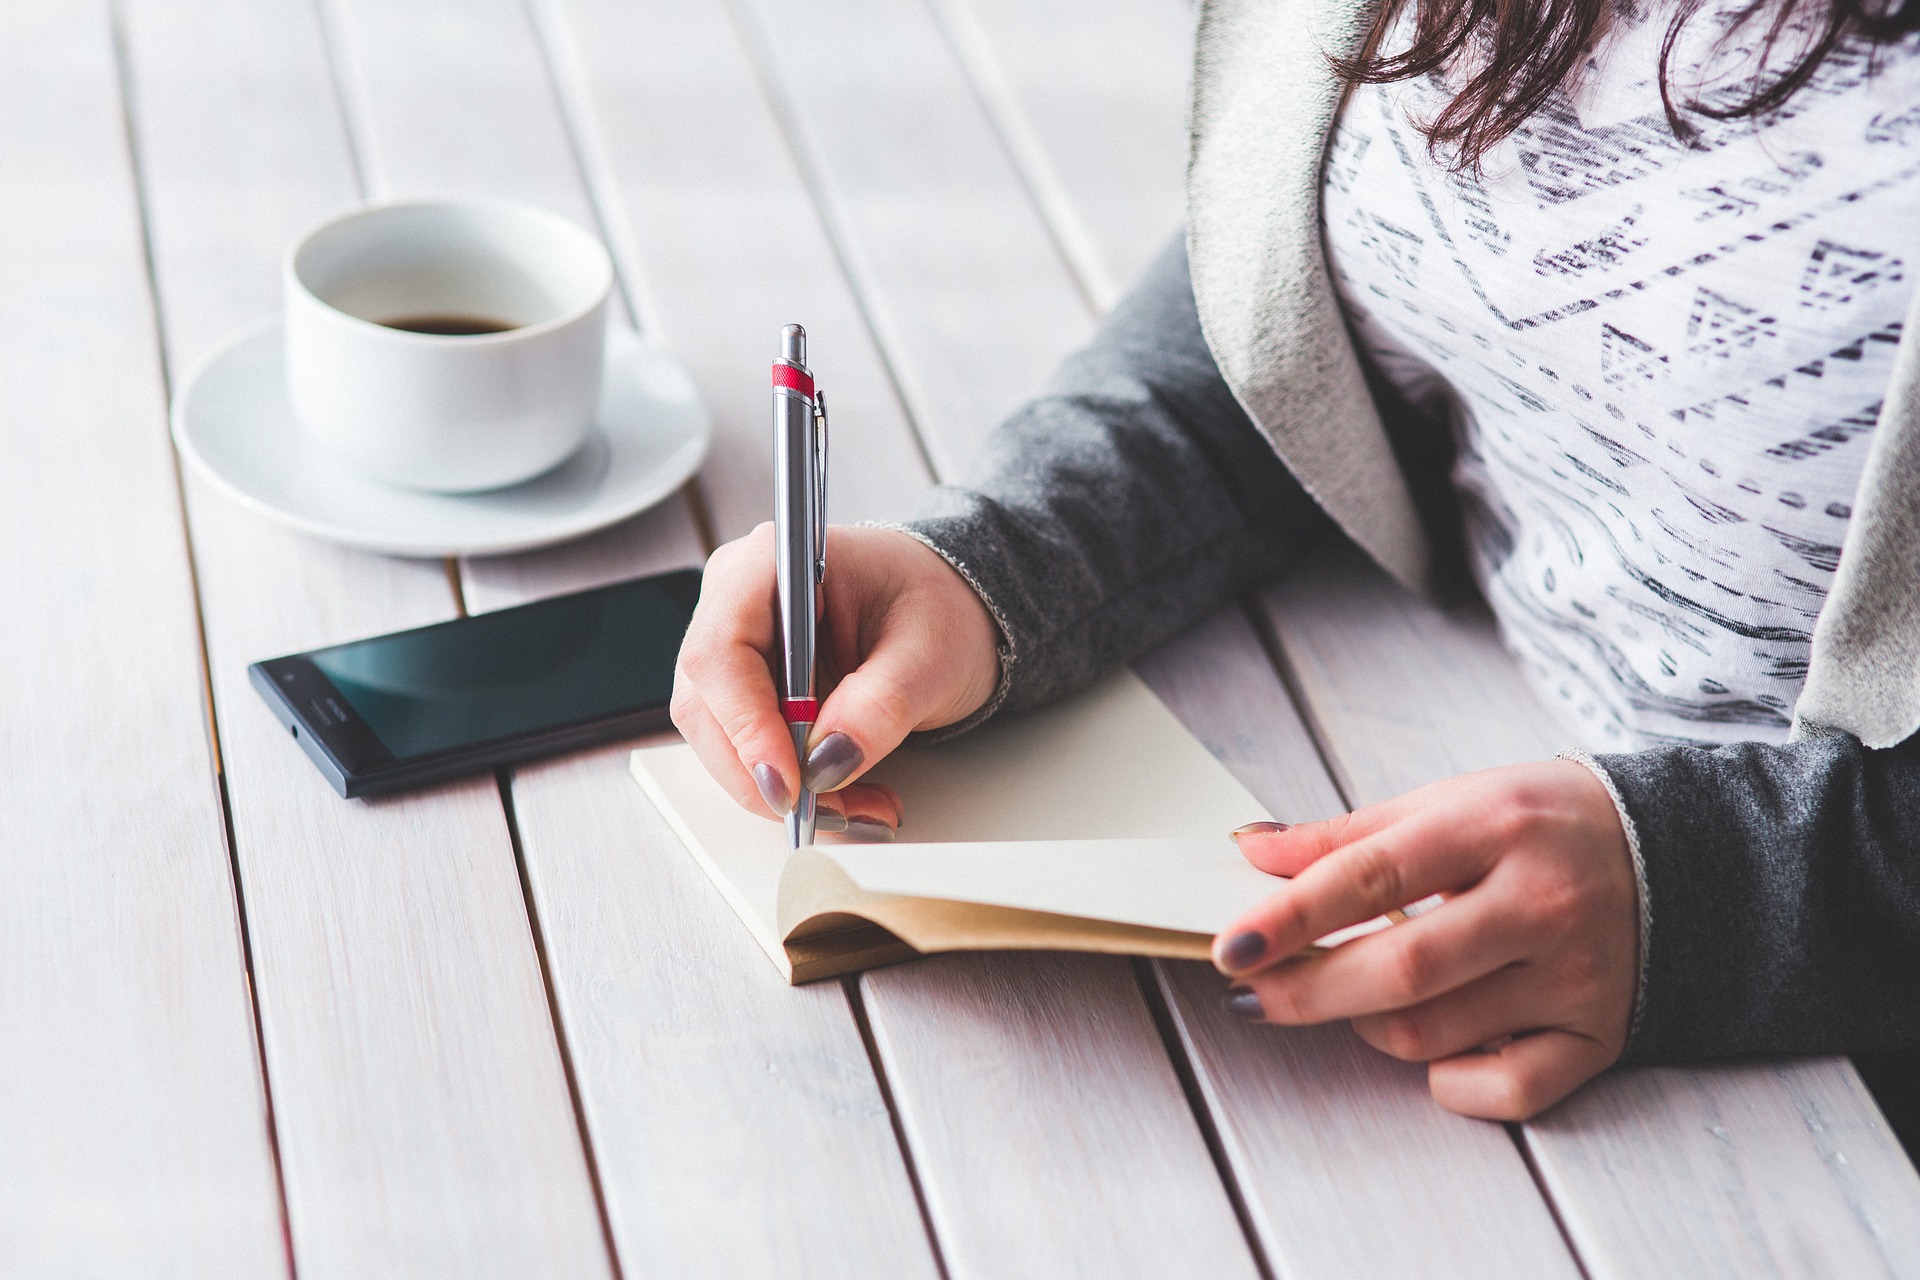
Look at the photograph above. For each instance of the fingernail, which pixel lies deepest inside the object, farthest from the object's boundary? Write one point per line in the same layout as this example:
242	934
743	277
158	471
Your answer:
1243	1003
773	789
1258	829
869	831
1243	950
831	821
830	763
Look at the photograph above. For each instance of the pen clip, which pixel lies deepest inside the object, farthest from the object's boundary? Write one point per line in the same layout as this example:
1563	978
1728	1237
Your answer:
820	486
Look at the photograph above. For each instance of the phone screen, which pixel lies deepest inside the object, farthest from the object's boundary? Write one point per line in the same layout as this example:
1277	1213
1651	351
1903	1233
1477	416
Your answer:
522	671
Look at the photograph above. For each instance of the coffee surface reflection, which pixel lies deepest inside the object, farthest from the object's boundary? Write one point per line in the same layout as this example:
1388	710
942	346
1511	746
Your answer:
449	325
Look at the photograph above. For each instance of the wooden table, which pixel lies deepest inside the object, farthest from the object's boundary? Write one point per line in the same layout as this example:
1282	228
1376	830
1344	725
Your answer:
506	1027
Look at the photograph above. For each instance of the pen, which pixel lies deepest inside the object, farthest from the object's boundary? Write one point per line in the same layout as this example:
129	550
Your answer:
800	536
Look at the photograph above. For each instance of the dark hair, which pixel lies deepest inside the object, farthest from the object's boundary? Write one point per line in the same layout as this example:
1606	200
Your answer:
1512	55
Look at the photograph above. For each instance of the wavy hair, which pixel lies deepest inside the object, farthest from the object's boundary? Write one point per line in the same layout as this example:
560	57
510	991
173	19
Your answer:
1508	57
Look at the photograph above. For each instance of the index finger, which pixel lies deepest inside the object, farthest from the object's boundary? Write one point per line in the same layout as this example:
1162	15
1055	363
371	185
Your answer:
722	676
1407	860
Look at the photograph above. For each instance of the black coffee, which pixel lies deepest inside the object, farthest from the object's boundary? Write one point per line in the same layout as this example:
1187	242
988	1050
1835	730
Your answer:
448	324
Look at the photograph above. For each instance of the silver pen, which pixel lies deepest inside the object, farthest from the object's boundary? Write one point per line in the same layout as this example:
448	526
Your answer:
800	536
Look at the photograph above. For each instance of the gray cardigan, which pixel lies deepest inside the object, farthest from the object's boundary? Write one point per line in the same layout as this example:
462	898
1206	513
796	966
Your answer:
1221	422
1137	494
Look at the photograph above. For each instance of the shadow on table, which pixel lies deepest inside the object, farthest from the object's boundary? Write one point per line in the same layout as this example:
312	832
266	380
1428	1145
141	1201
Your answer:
1894	1080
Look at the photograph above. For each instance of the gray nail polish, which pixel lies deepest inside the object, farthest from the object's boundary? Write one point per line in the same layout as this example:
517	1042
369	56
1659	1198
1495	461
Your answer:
869	831
830	763
831	821
1242	1003
773	789
1243	950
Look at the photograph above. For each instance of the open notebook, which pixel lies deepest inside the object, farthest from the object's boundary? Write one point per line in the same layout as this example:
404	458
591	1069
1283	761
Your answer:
1099	824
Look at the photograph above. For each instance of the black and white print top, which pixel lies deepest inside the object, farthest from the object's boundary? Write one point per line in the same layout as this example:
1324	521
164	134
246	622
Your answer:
1662	363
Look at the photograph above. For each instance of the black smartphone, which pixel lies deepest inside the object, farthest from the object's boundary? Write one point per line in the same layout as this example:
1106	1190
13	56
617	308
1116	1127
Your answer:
465	696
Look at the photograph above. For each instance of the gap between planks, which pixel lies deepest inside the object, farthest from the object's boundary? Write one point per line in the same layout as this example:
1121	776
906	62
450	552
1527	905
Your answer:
503	780
123	85
1156	1002
577	123
755	42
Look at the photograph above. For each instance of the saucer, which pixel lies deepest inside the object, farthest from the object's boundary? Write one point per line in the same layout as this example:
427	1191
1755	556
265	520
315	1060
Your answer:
233	423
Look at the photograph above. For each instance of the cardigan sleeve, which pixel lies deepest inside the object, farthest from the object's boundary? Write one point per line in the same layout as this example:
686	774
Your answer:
1782	897
1128	500
1782	883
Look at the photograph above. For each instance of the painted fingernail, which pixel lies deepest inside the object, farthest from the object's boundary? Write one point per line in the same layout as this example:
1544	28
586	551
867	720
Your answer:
869	831
773	789
831	821
1243	950
830	763
1258	829
1243	1003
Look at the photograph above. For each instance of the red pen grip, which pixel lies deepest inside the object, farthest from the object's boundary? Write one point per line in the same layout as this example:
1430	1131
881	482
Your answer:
785	375
800	710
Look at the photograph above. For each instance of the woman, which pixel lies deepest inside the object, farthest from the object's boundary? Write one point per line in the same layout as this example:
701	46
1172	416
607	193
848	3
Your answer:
1604	305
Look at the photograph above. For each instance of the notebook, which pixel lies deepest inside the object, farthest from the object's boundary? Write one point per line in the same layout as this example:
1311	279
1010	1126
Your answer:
1097	824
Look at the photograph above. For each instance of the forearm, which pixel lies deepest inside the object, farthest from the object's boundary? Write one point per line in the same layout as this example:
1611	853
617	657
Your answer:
1127	500
1784	892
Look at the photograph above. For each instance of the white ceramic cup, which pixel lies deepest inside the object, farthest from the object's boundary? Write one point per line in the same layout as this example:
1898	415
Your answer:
449	413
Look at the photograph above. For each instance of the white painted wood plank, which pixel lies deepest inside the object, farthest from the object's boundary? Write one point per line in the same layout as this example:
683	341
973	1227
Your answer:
1092	108
891	58
132	1112
424	1119
1048	1126
456	100
1403	693
452	100
737	1125
959	278
719	242
1370	668
1093	114
1788	1168
1327	1138
995	1062
1216	677
1749	1169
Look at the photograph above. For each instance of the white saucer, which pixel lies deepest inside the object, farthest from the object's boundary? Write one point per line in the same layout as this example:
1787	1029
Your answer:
233	423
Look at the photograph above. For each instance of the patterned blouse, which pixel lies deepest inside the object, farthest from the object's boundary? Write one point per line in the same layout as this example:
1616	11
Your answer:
1662	362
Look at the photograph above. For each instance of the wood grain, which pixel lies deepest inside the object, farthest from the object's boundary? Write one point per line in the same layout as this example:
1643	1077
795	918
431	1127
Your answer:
1327	1138
1749	1169
720	243
1093	114
457	100
134	1119
959	280
865	478
692	1061
1046	1121
424	1122
1223	676
1787	1169
1402	692
737	1123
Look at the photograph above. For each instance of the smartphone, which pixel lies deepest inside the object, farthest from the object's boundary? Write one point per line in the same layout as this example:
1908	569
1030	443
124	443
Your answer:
465	696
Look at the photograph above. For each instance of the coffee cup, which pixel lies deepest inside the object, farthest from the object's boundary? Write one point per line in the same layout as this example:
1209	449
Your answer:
447	345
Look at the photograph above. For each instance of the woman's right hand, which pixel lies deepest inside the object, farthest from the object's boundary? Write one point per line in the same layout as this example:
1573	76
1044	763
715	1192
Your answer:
918	648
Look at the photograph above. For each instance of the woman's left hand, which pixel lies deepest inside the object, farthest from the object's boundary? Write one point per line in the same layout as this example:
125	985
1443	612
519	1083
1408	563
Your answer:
1516	991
